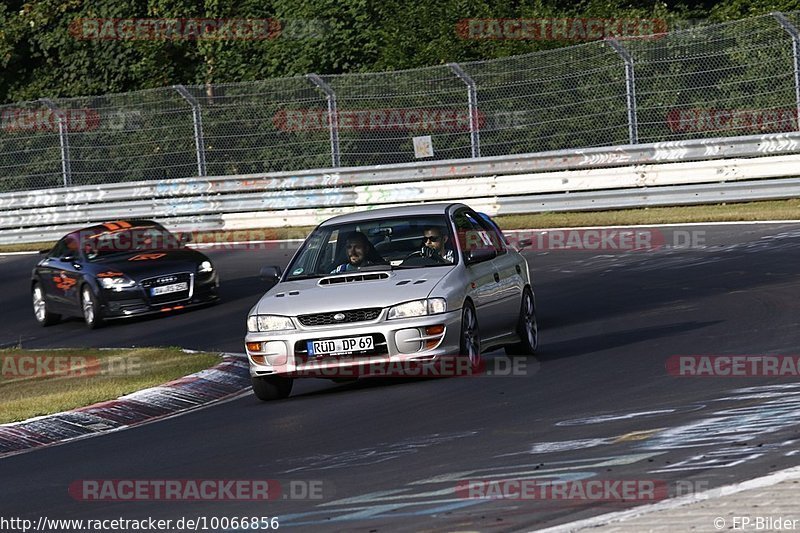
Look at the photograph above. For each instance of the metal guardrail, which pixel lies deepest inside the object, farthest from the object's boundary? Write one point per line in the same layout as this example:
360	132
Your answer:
598	178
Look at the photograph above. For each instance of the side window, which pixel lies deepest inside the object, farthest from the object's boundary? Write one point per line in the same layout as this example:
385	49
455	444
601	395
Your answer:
59	249
498	238
315	256
67	245
473	234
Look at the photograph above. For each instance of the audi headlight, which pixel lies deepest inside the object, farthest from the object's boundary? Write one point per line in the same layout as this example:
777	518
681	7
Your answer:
205	267
117	283
256	323
430	306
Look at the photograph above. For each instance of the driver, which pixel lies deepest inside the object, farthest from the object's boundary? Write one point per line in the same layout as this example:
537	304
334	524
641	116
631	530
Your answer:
433	244
360	252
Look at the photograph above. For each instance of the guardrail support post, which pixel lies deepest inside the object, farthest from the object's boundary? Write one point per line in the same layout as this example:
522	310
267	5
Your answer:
630	89
791	29
333	116
66	169
197	120
472	101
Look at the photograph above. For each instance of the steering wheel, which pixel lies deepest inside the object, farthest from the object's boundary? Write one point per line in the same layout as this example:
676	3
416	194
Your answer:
423	255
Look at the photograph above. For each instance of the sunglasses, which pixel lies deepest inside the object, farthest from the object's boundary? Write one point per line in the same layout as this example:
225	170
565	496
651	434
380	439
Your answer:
432	238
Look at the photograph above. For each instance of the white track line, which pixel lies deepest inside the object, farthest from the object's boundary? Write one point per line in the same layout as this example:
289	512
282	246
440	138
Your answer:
673	503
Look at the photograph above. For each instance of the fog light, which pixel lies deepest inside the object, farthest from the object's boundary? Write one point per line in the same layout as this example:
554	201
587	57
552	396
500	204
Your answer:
253	346
258	359
408	340
276	352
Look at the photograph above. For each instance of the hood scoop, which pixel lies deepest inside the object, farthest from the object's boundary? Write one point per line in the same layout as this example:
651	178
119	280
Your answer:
407	281
291	293
353	278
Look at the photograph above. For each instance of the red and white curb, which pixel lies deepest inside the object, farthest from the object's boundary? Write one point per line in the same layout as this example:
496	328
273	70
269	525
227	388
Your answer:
224	381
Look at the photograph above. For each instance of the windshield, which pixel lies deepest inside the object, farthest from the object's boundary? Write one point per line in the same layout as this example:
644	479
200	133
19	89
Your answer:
399	242
136	239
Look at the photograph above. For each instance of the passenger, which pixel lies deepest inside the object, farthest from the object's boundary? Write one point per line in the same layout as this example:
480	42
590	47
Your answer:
360	252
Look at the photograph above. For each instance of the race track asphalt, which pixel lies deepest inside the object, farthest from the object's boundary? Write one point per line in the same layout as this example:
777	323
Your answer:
597	403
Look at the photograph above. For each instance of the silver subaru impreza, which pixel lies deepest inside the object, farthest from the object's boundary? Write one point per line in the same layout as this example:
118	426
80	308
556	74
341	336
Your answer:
391	289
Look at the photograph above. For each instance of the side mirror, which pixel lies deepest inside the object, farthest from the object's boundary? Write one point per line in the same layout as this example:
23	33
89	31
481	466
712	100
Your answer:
479	255
270	274
524	243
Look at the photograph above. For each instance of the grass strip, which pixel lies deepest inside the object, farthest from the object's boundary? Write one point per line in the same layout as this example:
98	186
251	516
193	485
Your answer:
42	382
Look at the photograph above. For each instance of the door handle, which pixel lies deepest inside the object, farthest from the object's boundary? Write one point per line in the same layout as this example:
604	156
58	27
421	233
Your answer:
496	276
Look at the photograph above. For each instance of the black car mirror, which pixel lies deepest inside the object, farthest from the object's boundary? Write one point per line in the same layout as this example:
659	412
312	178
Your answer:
479	255
270	274
524	243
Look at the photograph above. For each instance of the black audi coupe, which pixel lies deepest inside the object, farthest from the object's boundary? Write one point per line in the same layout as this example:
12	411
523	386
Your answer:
120	269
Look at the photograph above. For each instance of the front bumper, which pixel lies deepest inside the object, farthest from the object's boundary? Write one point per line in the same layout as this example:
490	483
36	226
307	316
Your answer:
135	301
399	341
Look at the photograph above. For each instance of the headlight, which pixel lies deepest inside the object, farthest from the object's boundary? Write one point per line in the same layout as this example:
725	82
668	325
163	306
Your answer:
431	306
117	283
205	267
256	323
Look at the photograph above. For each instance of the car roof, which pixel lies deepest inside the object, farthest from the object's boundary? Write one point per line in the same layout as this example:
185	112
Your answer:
116	225
406	210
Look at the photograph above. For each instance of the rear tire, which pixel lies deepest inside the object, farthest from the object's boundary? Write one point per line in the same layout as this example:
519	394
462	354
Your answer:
43	316
90	308
267	388
527	327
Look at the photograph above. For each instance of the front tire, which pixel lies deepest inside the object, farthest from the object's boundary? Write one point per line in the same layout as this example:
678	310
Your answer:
43	316
267	388
527	327
90	308
470	336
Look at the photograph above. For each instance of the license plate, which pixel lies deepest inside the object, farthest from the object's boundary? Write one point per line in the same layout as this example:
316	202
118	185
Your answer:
167	289
339	346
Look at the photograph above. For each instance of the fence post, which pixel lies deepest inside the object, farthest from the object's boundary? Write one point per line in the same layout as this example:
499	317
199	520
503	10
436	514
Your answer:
472	102
791	29
197	119
630	89
333	116
66	169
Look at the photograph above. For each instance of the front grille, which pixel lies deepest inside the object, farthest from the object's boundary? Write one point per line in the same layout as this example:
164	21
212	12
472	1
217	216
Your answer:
169	279
325	319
